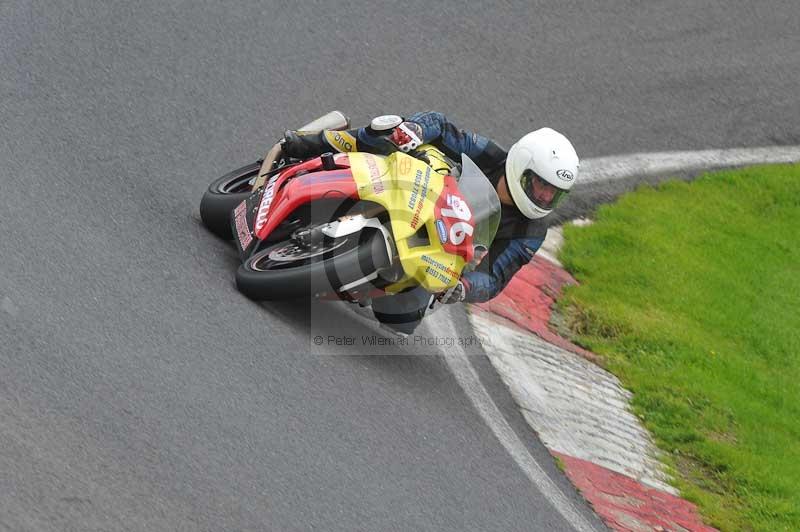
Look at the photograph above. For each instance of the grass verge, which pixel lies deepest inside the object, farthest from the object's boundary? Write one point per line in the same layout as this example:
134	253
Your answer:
691	294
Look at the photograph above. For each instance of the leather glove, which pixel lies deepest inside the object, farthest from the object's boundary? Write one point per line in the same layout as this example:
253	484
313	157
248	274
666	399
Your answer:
302	145
455	294
290	144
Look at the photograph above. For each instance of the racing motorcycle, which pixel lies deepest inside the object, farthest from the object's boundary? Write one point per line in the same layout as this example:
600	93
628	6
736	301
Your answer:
353	226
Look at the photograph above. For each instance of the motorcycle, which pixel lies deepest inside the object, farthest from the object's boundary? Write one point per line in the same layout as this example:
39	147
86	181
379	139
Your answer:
353	226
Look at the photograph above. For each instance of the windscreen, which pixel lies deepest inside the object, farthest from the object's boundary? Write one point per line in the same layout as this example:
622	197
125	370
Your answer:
482	198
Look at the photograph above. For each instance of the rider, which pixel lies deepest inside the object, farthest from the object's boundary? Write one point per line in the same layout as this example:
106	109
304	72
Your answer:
531	179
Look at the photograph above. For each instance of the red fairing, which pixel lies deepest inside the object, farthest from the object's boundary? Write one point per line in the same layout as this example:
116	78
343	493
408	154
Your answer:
286	193
454	221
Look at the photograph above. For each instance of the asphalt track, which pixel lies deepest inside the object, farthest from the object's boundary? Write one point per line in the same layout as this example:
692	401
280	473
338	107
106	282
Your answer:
140	391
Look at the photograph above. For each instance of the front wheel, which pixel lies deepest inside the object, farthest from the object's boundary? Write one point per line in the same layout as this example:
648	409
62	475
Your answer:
288	270
223	195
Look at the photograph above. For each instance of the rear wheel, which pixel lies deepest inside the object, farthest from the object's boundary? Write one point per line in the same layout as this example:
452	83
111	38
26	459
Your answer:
289	270
223	195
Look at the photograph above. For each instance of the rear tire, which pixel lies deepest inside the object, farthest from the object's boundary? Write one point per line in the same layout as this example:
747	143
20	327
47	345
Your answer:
223	195
360	256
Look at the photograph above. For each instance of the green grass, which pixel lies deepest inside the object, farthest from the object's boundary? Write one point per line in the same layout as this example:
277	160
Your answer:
691	293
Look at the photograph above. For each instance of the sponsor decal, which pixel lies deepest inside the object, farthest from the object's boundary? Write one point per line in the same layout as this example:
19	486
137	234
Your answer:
439	271
458	210
442	230
404	165
418	195
374	175
412	199
458	219
565	175
438	275
266	201
341	140
242	230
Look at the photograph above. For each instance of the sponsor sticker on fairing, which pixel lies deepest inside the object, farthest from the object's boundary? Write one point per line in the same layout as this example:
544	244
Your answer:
404	165
374	174
242	230
442	230
266	201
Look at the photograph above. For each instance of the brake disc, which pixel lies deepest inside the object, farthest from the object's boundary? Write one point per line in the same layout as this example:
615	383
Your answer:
294	251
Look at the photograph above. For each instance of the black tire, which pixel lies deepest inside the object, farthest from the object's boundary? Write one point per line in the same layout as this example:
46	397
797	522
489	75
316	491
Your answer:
361	255
223	195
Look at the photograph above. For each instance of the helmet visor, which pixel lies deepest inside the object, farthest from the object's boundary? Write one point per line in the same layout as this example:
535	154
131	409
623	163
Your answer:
543	194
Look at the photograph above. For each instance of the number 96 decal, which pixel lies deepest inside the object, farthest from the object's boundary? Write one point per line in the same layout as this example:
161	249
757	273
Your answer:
454	223
458	210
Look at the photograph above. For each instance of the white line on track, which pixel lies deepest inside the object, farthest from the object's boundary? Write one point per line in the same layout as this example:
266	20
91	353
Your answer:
468	379
664	163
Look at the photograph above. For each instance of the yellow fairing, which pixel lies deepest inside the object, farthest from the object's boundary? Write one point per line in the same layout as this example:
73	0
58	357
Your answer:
408	189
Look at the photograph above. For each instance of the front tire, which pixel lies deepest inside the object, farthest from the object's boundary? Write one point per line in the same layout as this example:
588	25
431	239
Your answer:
223	195
347	260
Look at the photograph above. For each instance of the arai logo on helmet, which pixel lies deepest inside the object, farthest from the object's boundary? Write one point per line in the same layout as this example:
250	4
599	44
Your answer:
442	230
566	175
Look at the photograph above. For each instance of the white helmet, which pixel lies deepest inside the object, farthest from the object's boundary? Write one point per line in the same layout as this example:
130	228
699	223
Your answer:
540	169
